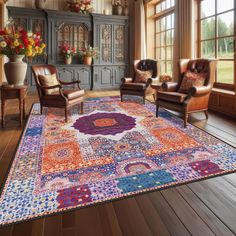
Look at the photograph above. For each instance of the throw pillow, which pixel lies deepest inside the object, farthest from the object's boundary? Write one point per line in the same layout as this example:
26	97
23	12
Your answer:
141	76
191	79
47	81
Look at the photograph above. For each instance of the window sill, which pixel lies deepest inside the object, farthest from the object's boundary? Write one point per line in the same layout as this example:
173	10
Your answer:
223	91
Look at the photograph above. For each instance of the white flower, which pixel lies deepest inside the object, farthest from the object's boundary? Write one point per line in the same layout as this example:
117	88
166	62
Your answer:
68	52
29	34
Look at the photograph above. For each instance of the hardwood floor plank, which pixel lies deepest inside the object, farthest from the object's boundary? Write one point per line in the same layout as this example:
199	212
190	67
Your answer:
231	178
216	225
88	221
130	218
6	231
8	155
38	227
151	216
220	197
22	229
188	216
68	220
109	221
53	225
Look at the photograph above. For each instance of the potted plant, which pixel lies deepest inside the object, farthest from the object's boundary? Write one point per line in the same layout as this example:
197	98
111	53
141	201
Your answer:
17	44
81	6
67	52
88	54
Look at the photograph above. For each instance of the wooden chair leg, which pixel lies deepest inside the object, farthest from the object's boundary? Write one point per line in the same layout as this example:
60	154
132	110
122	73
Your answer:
157	108
82	107
154	97
66	115
121	97
206	114
185	119
41	109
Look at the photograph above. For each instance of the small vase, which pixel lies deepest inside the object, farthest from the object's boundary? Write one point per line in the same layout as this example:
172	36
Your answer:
68	60
119	10
126	10
15	70
40	4
88	60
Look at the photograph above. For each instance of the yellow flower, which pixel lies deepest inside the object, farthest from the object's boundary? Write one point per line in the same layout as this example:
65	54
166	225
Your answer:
36	49
29	47
43	45
16	35
3	44
16	43
29	53
40	50
31	41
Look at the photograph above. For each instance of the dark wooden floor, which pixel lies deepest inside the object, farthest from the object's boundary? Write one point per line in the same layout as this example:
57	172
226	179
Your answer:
203	208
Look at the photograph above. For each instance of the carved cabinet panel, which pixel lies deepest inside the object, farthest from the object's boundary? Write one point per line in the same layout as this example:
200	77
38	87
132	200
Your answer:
108	76
84	75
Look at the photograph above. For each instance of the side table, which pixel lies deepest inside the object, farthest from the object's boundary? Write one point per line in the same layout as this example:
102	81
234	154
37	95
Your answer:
13	92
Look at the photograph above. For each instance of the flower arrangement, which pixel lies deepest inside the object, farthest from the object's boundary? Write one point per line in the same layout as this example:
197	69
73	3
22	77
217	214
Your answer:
82	6
165	78
20	42
89	52
67	51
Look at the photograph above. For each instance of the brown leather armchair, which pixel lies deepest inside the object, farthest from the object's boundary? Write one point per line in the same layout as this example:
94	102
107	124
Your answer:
197	97
64	98
129	86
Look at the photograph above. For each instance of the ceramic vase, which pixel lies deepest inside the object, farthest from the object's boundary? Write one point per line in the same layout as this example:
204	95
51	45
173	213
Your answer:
15	70
40	4
68	60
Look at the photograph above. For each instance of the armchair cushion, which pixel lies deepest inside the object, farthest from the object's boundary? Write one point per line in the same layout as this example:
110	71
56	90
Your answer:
73	93
191	79
142	76
48	81
134	86
172	96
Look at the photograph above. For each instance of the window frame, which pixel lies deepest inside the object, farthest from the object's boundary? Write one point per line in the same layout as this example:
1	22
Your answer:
215	38
156	17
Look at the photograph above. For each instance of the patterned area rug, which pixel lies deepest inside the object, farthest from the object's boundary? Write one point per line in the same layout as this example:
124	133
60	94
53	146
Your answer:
112	151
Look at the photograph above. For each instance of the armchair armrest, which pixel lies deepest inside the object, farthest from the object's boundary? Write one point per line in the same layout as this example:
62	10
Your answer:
69	83
199	91
126	80
169	87
151	81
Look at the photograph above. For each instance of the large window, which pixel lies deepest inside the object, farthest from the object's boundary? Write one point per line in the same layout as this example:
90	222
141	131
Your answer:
217	32
164	35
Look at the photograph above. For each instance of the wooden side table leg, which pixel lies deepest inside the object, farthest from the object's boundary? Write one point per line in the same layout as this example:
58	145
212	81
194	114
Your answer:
3	113
24	109
21	110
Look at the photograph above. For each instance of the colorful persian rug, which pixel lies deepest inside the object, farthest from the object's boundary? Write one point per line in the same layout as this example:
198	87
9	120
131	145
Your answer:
114	150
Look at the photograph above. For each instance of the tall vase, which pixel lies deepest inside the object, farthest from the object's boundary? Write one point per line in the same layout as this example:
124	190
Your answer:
15	70
40	4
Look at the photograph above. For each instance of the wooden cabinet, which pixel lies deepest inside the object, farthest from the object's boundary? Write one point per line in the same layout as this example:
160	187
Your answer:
108	33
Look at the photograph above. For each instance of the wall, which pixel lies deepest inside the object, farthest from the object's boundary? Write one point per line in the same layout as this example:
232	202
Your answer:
98	5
